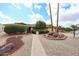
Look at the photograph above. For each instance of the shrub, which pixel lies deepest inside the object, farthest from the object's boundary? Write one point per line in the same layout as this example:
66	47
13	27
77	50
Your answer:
34	31
9	29
43	32
67	29
40	32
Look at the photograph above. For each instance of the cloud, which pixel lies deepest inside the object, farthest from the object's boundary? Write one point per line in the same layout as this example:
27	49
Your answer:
5	19
65	5
24	1
29	5
69	16
54	11
69	13
36	6
16	5
34	17
74	8
69	20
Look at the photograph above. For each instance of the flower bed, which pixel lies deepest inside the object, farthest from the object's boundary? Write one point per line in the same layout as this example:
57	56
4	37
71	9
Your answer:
55	36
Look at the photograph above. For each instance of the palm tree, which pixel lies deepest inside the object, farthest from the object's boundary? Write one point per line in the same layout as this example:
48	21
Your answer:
57	16
74	28
51	17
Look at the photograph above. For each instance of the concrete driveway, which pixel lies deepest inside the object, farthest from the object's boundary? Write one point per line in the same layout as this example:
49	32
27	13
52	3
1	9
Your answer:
37	45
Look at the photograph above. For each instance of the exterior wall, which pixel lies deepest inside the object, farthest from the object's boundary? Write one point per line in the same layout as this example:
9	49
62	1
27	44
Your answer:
50	30
1	28
54	29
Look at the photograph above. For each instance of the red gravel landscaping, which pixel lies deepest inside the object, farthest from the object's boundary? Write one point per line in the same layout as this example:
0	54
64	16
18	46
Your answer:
56	37
16	41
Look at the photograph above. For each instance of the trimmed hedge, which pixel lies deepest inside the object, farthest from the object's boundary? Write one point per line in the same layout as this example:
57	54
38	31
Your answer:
43	32
40	32
14	29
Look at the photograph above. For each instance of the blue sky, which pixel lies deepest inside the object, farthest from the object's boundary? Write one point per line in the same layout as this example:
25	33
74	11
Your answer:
22	13
31	13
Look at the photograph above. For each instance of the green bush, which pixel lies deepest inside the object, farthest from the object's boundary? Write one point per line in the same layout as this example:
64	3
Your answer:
40	32
43	32
14	29
67	29
40	25
34	31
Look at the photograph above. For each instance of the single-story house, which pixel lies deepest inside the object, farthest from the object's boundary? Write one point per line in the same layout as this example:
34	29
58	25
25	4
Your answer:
48	27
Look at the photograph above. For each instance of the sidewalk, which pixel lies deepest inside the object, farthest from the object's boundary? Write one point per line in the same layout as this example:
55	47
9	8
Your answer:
37	48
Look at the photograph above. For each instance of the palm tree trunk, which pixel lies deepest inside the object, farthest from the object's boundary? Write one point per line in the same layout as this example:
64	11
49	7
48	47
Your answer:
51	17
57	17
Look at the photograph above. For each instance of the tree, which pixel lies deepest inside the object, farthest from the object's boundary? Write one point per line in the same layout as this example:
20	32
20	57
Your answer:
40	25
74	28
68	29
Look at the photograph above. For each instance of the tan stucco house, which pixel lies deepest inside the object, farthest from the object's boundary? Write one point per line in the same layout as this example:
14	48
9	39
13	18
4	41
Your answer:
48	27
